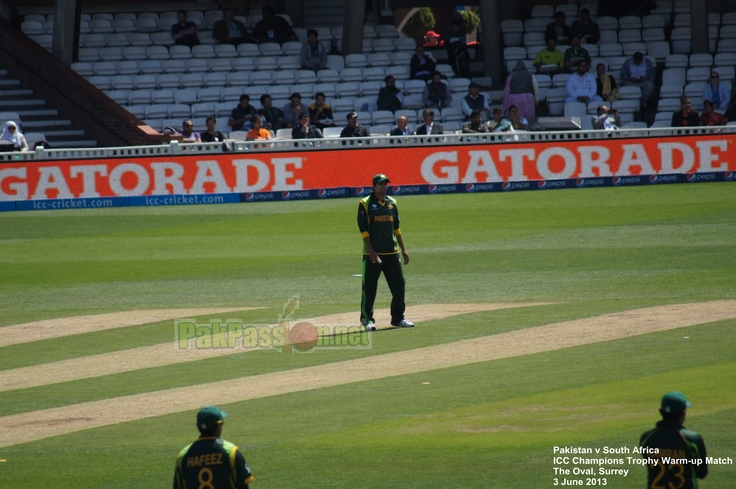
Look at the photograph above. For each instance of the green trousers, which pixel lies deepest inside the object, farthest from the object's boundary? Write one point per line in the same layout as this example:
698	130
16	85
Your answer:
392	270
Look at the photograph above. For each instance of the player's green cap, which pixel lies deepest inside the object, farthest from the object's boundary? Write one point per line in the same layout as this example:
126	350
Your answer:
208	417
380	178
674	402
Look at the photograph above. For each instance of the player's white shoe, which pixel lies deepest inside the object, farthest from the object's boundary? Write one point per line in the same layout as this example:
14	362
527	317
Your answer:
404	323
370	325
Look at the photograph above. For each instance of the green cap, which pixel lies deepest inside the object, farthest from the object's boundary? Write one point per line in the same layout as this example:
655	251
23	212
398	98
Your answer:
674	402
380	178
208	417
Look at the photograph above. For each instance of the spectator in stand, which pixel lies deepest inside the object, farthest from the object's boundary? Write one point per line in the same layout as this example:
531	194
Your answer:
353	129
550	60
639	72
292	109
497	118
476	123
559	29
272	28
710	117
390	97
606	87
431	38
429	127
228	30
518	123
320	112
402	127
421	66
581	86
304	130
457	49
586	28
241	117
273	117
575	53
685	117
522	91
436	94
475	100
184	32
188	133
607	119
717	92
13	135
212	135
314	53
258	133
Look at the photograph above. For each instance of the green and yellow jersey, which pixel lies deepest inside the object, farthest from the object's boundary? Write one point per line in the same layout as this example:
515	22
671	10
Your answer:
379	220
676	456
211	463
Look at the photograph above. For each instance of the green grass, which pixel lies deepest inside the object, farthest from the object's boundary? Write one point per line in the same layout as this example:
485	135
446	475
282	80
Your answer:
490	424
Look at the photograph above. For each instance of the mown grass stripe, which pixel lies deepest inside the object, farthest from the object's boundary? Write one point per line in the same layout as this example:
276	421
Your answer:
60	327
168	354
38	425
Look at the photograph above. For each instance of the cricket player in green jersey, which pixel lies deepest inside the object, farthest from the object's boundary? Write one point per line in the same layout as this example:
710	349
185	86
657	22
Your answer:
211	462
675	456
378	221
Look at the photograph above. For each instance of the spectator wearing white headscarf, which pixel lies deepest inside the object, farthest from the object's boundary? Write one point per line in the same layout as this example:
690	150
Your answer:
12	134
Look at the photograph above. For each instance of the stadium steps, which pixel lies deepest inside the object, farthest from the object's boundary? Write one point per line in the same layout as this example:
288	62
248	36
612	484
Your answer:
37	117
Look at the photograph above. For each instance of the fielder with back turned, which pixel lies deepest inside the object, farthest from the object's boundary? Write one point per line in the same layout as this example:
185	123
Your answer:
211	462
676	456
378	221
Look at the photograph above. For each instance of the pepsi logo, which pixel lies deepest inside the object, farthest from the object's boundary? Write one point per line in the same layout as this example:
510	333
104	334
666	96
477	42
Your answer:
728	176
542	184
250	197
653	179
322	193
617	180
360	192
580	183
433	189
396	190
470	187
691	177
506	186
286	195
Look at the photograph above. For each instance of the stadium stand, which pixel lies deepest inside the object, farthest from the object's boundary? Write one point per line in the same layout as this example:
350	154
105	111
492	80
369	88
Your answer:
125	53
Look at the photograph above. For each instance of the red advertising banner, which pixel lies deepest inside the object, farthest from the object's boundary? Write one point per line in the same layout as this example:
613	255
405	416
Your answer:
439	165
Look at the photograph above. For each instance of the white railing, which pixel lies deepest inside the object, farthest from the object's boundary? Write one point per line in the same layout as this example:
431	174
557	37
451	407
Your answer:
301	145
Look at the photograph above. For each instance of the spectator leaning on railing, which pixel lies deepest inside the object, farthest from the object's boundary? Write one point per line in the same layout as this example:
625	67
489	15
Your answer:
710	117
13	135
353	129
304	130
685	117
212	135
607	119
258	133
